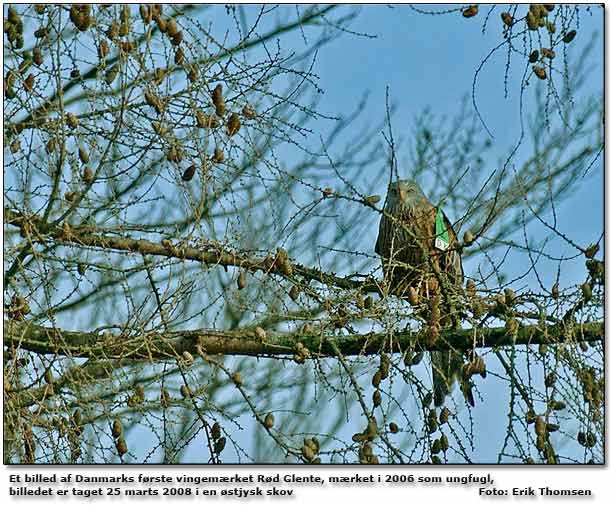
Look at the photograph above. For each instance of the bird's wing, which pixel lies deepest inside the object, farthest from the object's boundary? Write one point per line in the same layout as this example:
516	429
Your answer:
453	256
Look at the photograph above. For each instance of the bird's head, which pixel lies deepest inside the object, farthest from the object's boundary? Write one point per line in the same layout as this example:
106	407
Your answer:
404	192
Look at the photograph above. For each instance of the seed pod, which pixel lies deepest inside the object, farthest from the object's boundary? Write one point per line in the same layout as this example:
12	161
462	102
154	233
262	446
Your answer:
236	378
241	282
432	421
28	83
219	445
269	420
507	19
122	447
443	443
201	119
41	33
550	26
417	358
37	56
384	366
581	438
471	11
376	398
413	296
111	74
294	293
185	391
468	238
427	399
590	440
540	72
308	453
555	291
393	428
548	53
117	428
177	39
552	427
376	378
103	49
127	46
549	7
50	146
145	14
532	21
113	31
248	112
587	292
81	268
124	17
171	27
215	431
218	155
537	10
260	333
158	128
70	196
444	415
39	8
83	155
218	100
188	173
233	124
543	349
569	36
591	251
174	154
368	302
161	23
372	200
71	120
549	380
88	175
187	357
509	296
595	268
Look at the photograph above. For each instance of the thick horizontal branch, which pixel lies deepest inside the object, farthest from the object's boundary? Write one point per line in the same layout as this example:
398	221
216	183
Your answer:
213	254
246	342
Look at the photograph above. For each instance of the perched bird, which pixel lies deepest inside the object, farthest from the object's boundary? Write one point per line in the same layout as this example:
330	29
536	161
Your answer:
421	262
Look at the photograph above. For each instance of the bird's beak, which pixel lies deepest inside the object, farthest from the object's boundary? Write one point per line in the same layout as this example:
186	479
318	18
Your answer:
403	194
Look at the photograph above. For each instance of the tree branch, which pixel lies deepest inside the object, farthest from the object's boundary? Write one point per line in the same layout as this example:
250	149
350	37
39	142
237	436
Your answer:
245	342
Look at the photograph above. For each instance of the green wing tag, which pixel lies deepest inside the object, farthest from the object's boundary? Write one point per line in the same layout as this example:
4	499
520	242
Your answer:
442	241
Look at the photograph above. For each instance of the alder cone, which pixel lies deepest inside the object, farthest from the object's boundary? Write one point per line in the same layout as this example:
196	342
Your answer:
188	173
471	11
233	124
540	72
